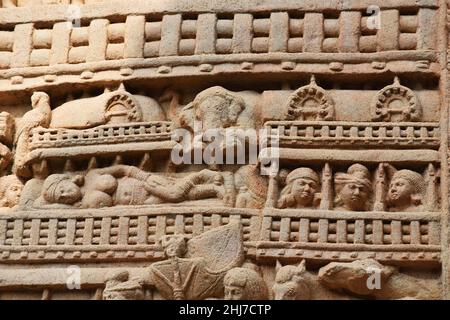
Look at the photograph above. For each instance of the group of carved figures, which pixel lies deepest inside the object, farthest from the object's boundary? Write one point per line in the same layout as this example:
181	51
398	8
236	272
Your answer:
214	108
406	192
189	272
122	185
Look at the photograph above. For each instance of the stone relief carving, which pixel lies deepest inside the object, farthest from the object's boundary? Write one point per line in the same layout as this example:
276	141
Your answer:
118	286
393	190
251	187
310	102
126	185
301	190
214	108
7	127
40	116
353	277
10	190
117	106
195	269
244	284
353	189
396	103
91	180
290	283
295	282
406	191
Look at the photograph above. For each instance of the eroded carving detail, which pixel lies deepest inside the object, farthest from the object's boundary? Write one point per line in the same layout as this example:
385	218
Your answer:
361	179
244	284
195	269
119	287
406	191
126	185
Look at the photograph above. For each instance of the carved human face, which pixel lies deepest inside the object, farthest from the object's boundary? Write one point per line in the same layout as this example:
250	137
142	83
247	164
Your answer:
233	292
400	191
12	194
67	192
304	189
175	248
354	196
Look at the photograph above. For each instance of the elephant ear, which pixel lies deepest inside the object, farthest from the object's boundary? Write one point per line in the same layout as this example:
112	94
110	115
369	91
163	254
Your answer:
302	266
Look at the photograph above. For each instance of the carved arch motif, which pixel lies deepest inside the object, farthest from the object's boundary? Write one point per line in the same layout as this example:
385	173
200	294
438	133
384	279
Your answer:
122	105
396	103
310	102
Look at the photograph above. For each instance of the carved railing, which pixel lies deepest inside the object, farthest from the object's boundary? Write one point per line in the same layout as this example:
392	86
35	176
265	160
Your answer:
110	234
333	133
149	31
41	138
133	234
350	235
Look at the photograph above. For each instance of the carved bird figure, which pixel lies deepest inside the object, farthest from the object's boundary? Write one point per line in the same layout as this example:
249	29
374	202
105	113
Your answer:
40	116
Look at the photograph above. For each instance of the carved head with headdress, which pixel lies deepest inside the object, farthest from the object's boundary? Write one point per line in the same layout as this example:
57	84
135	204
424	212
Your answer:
302	184
353	188
244	284
10	190
406	189
62	189
174	246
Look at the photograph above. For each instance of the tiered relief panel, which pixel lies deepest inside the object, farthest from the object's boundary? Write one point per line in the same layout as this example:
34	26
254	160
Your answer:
275	42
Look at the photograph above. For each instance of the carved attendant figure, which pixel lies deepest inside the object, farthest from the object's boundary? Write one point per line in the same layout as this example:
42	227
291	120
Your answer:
406	191
10	189
244	284
353	189
40	116
301	187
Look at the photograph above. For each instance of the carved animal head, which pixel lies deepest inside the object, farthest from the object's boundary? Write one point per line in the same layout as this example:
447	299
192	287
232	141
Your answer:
290	283
355	276
353	188
214	108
